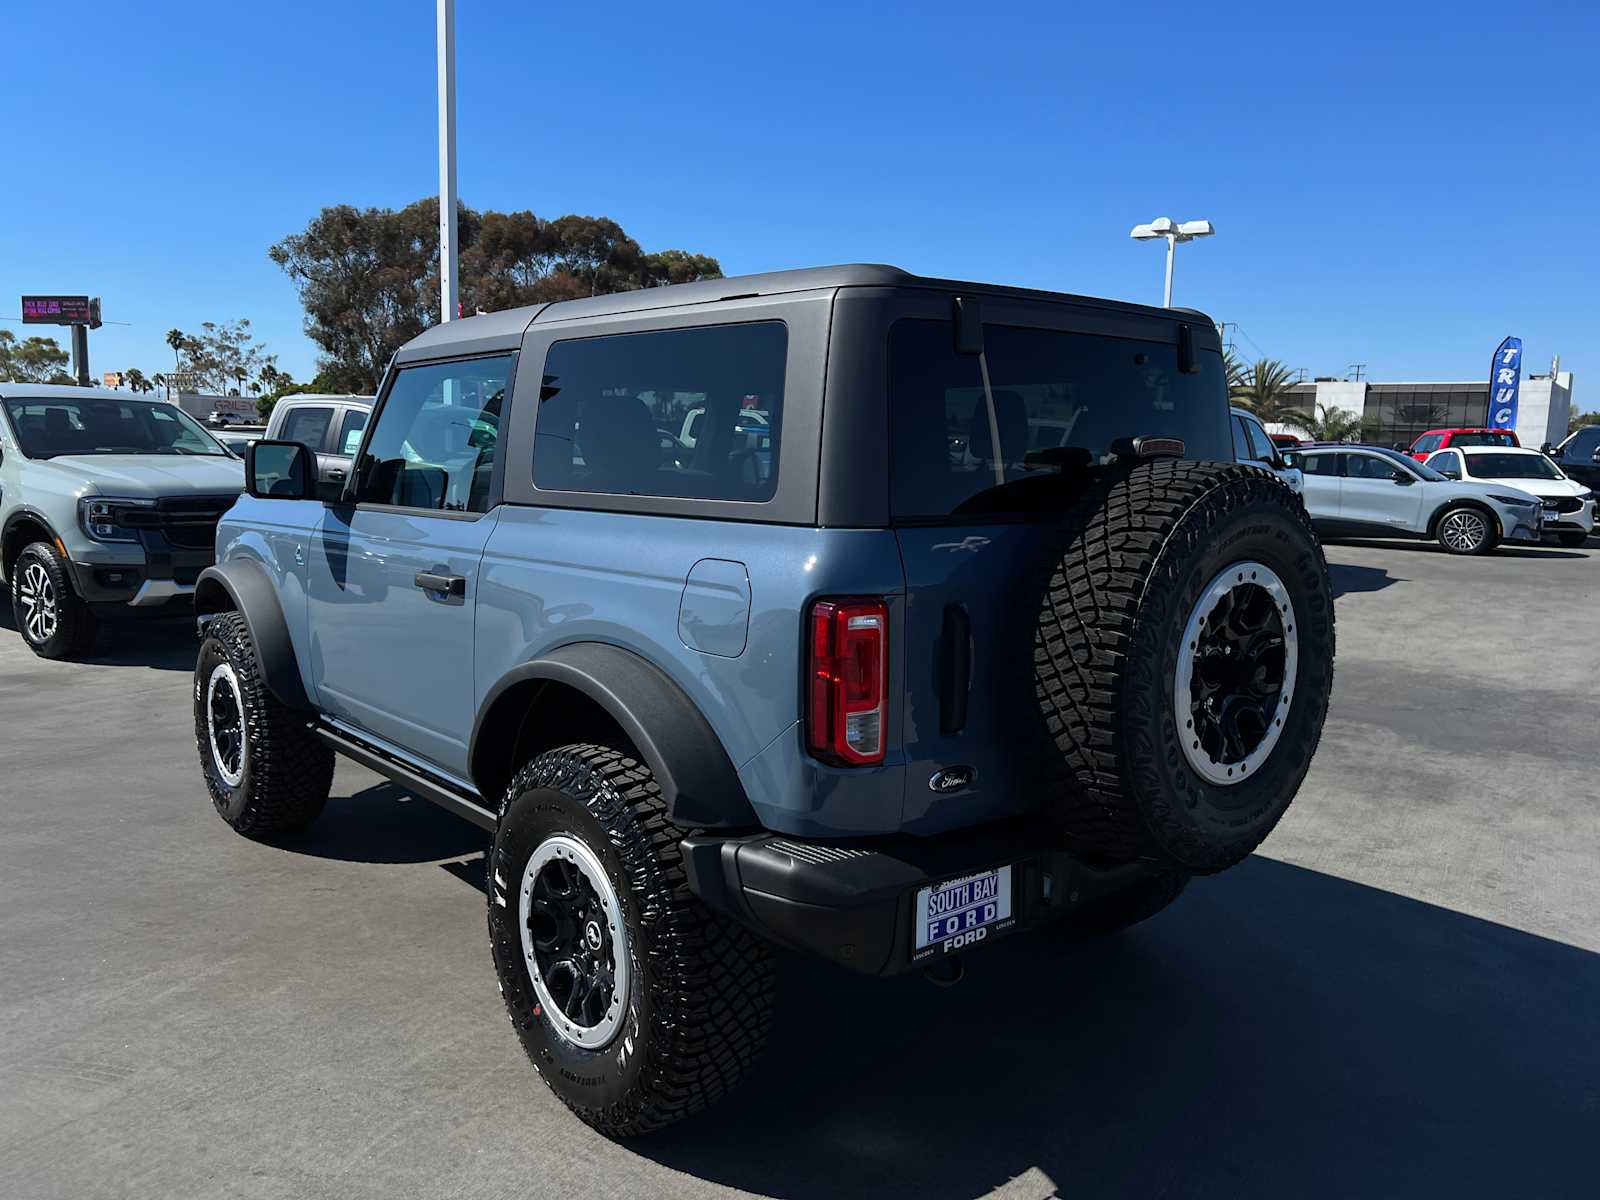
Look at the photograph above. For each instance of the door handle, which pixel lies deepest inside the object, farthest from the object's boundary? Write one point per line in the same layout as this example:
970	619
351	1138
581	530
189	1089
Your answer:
335	475
449	585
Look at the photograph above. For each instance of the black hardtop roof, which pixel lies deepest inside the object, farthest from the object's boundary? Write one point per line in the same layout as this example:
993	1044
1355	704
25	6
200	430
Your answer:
499	330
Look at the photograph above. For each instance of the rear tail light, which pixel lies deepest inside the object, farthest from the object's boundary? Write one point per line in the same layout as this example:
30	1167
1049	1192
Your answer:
848	681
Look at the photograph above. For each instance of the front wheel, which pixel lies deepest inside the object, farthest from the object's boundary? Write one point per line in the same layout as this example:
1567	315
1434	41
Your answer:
1572	538
1467	530
265	771
53	620
636	1004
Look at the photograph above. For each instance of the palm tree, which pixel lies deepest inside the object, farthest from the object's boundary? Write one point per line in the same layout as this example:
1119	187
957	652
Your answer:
1332	424
1265	390
175	339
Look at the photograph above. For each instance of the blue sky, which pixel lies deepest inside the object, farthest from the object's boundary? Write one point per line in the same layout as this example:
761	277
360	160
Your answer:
1401	184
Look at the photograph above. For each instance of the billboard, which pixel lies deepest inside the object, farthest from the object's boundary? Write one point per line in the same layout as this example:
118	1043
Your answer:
1505	381
61	310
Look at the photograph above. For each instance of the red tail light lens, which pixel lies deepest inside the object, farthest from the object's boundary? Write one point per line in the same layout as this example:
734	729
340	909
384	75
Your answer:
848	681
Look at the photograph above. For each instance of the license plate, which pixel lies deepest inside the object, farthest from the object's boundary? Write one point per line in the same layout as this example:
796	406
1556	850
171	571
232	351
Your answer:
962	912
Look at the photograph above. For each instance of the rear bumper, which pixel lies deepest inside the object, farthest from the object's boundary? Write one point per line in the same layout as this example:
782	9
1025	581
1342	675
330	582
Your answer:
854	903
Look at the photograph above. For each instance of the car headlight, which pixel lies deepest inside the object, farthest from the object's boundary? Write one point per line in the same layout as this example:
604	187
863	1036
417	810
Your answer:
1514	501
107	518
1582	496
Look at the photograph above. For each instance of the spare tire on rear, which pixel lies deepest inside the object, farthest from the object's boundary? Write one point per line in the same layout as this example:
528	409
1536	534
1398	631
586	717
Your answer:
1182	662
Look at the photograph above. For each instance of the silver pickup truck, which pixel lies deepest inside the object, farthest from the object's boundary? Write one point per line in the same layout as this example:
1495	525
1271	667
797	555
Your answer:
330	425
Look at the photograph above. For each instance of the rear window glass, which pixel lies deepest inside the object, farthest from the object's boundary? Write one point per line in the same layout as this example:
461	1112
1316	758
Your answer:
308	426
1053	391
691	413
1482	439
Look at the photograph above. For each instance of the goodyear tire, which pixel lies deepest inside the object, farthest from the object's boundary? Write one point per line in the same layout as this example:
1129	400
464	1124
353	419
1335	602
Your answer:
635	1003
53	620
265	771
1183	660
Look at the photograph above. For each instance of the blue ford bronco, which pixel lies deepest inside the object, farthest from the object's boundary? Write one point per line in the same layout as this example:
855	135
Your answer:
951	618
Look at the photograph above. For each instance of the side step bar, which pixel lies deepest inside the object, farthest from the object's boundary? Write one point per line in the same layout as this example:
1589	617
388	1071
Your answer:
410	778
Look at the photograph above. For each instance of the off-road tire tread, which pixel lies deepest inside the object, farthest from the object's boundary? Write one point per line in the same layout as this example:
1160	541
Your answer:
1119	539
291	772
713	981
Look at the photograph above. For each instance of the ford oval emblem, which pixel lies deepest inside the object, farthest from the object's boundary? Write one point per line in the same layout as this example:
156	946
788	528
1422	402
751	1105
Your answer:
952	779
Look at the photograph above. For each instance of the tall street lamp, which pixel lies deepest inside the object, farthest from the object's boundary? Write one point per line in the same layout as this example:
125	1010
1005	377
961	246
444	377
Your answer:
1165	227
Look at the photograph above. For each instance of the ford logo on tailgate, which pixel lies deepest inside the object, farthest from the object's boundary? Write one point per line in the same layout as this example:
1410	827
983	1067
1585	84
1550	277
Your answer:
952	779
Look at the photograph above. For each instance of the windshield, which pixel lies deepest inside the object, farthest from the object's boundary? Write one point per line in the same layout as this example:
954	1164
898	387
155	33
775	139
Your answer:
1060	401
1482	439
46	428
1511	466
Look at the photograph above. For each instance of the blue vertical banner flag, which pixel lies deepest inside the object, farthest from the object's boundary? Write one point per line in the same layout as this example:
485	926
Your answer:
1505	380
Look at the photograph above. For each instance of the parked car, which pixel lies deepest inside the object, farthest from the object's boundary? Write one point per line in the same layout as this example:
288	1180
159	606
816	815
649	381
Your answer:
235	443
1251	444
1440	439
1579	456
1366	491
220	418
1568	504
108	504
329	425
875	704
1285	441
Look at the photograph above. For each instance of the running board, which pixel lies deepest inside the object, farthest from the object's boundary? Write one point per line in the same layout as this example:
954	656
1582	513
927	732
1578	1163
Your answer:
408	777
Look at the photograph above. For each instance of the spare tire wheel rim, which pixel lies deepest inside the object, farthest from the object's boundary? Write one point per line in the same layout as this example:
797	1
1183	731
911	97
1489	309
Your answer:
574	942
1235	676
225	724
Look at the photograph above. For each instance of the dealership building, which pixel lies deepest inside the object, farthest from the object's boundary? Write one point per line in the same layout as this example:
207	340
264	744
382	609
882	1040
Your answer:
1400	412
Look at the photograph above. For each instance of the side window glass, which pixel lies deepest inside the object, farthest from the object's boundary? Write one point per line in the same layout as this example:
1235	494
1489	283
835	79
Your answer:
308	425
355	423
1320	464
1369	466
1261	448
1241	442
693	413
435	441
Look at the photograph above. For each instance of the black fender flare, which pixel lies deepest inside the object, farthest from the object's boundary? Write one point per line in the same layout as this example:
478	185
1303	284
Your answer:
34	517
697	779
244	586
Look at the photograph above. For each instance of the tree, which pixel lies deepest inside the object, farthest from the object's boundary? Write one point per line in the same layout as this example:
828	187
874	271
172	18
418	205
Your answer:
1330	424
1579	420
220	354
33	360
138	381
1265	390
368	278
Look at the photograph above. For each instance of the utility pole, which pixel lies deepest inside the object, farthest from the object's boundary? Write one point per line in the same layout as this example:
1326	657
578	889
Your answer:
449	301
1359	370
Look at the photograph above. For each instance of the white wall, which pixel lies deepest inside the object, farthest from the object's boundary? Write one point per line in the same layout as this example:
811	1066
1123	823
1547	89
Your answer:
1544	407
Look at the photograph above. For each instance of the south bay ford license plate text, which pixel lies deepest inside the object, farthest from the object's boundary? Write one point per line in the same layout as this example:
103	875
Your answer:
962	911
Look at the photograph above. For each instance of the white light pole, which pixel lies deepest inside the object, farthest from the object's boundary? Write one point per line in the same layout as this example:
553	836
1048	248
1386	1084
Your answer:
449	304
1165	227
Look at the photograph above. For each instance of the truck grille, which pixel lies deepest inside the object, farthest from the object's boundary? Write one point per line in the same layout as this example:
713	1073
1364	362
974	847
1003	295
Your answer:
1562	504
190	522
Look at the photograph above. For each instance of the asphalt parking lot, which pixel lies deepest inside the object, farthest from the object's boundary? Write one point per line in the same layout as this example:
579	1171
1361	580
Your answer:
1397	995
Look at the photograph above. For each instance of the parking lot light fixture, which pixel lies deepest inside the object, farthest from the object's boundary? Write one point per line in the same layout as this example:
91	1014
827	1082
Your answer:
1173	233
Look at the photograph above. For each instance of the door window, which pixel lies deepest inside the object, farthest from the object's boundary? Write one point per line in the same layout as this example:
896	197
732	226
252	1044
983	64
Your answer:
435	441
1261	447
1369	466
307	425
1241	441
1427	444
355	424
1322	465
1446	460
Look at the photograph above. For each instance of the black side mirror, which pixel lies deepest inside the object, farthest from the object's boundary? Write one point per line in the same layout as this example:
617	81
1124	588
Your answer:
279	471
1402	447
1404	480
1451	473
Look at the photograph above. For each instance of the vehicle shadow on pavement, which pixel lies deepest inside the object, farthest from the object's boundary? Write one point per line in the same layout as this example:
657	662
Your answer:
1277	1032
163	645
1414	546
384	824
1348	577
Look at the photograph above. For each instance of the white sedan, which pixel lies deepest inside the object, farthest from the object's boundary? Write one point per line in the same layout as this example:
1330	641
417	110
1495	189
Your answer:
1568	504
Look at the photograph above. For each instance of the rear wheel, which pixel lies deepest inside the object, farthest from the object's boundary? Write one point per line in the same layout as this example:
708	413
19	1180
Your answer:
636	1004
53	620
1466	530
1183	661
